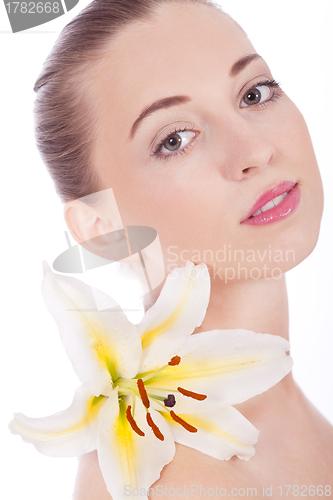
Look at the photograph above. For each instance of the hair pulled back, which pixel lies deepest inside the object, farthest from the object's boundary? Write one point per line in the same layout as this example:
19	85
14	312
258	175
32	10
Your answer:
65	121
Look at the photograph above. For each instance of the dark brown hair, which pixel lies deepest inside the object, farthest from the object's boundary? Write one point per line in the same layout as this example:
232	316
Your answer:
65	121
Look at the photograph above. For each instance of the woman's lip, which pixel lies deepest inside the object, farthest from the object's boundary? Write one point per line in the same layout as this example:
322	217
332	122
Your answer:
282	210
269	195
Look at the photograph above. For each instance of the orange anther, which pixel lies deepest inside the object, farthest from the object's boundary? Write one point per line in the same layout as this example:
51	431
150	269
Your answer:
174	361
190	394
154	427
132	422
143	393
182	422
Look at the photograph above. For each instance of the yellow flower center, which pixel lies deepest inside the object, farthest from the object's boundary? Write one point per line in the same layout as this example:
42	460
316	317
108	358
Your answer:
136	388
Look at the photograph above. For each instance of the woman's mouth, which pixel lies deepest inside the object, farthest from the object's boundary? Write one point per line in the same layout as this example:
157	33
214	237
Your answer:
275	204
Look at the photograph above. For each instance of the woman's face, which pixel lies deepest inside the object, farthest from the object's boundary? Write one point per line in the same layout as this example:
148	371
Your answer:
195	165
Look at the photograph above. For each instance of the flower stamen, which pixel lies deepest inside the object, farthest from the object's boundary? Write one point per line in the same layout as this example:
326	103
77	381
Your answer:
154	427
182	422
143	393
132	422
174	361
190	394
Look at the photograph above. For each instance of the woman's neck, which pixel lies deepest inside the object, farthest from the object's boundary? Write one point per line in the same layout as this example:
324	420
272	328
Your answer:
262	306
257	305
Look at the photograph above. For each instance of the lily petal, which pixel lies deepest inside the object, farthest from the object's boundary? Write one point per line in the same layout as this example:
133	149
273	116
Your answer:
221	434
66	434
99	344
159	354
228	366
127	460
180	308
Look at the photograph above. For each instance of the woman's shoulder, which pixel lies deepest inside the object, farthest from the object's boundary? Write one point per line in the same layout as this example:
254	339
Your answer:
190	473
89	484
195	475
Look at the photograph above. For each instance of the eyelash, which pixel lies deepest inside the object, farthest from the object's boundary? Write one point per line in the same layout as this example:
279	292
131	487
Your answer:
273	84
183	150
277	93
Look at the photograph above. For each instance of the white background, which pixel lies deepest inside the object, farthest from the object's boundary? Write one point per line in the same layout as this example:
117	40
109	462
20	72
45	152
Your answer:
36	376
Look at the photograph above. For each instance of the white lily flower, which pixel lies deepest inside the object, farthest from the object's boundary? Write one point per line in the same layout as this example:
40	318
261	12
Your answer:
146	386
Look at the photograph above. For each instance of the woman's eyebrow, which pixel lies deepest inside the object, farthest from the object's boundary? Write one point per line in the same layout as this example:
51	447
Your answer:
241	64
175	100
166	102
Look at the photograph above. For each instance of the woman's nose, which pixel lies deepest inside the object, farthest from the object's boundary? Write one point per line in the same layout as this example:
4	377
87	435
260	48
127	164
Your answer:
249	148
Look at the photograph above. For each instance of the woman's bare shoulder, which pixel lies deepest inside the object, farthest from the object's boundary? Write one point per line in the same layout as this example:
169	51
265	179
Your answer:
194	474
89	483
189	469
300	450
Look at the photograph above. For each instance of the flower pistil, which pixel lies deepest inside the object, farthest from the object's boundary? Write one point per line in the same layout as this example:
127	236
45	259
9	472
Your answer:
136	387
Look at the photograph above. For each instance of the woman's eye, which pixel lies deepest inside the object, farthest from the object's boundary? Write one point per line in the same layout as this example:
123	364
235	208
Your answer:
257	95
176	142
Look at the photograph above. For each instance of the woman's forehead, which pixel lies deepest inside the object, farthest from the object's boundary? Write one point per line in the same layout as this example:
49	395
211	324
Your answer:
181	45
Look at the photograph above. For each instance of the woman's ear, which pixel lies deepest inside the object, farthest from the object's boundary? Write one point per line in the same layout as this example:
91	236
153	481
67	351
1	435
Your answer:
94	221
83	222
88	227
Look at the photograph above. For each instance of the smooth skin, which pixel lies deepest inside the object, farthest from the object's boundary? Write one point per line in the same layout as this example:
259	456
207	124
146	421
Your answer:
197	200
